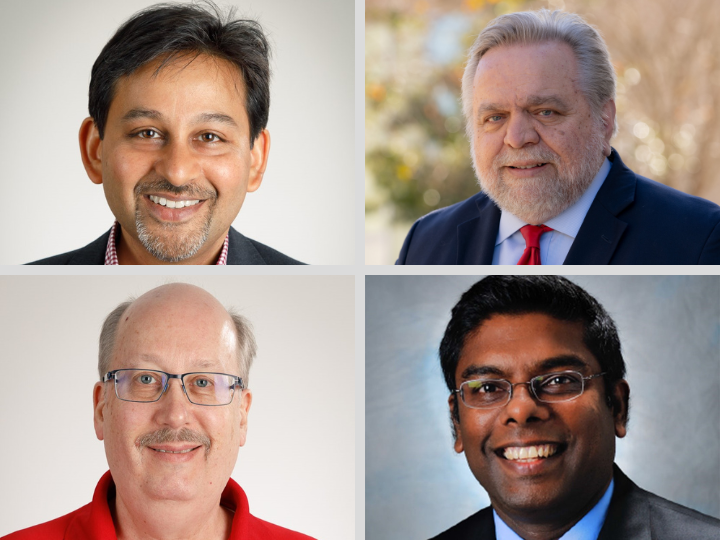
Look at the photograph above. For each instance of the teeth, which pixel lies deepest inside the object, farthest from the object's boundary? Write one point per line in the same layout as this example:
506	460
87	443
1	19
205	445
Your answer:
172	452
530	166
529	453
172	204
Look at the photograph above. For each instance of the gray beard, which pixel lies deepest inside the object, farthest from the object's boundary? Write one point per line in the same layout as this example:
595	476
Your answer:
536	200
172	246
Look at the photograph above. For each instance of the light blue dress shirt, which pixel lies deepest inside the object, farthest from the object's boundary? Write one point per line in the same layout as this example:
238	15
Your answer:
554	246
588	528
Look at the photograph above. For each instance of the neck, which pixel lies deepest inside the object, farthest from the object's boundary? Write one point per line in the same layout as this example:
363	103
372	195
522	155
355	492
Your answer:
131	251
548	525
170	520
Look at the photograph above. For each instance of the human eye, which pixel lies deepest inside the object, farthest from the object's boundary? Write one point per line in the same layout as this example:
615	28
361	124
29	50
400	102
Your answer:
546	113
485	386
210	138
147	134
493	119
145	378
202	381
560	382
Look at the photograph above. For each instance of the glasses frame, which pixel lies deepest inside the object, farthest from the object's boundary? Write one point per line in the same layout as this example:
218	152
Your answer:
237	382
531	388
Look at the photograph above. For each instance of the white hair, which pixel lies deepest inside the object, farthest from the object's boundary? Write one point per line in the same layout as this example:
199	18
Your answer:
597	76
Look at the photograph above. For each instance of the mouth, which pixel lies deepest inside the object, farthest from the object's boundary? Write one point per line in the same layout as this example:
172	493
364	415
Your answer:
168	203
530	453
534	166
186	451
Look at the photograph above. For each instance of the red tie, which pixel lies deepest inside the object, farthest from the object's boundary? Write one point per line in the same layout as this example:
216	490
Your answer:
532	234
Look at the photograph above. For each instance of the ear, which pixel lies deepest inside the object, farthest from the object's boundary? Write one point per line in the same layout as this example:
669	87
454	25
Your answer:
91	150
621	401
99	409
245	402
258	160
457	433
608	117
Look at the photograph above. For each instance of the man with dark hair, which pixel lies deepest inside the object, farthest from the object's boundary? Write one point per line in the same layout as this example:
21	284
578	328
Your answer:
179	101
538	395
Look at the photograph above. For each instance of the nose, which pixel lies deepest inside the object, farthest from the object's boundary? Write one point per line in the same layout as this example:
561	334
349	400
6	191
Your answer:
520	131
172	408
523	407
178	163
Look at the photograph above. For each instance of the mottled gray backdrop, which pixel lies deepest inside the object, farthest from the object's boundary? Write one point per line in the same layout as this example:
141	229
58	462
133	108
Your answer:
416	486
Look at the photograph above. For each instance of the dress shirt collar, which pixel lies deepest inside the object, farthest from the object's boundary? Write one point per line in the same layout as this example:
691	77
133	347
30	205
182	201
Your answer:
111	250
569	221
588	528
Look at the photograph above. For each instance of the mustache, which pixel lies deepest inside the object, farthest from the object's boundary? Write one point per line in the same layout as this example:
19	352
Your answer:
167	435
540	155
153	186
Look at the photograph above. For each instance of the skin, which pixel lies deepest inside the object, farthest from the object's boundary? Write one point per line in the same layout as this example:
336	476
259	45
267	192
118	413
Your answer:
528	108
544	503
176	328
209	155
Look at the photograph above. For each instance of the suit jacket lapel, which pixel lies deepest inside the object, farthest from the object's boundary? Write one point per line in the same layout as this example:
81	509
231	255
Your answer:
601	230
629	513
93	253
241	250
476	237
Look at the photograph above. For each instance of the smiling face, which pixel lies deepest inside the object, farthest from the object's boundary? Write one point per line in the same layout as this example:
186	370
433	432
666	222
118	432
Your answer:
176	328
175	161
579	434
536	143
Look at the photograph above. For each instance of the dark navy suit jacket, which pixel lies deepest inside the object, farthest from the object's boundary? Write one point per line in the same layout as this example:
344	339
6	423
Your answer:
633	514
633	220
241	250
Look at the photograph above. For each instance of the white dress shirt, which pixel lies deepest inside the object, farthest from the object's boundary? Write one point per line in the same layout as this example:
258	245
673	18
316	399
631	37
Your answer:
554	245
588	528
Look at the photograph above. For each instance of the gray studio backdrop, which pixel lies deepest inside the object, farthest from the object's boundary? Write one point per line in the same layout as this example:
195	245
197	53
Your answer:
416	486
298	465
305	206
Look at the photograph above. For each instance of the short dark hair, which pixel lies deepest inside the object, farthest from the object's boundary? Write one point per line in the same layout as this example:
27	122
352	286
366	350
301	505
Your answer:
169	31
555	296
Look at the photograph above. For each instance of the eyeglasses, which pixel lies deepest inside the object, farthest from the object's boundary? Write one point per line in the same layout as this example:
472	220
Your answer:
550	388
148	385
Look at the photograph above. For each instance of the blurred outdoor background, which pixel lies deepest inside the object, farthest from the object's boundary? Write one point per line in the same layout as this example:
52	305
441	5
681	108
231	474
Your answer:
666	55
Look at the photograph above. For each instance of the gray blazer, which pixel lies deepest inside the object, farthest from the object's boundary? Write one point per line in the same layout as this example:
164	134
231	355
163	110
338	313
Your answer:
634	514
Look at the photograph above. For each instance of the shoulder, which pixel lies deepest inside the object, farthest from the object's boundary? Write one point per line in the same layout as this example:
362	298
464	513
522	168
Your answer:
479	525
93	253
451	216
678	522
244	250
49	530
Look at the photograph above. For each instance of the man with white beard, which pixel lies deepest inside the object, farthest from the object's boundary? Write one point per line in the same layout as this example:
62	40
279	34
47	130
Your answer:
538	97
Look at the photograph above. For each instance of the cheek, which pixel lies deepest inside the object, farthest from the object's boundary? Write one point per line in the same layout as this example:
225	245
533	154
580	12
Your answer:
228	174
124	168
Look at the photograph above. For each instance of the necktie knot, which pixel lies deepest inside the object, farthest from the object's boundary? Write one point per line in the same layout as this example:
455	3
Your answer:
532	234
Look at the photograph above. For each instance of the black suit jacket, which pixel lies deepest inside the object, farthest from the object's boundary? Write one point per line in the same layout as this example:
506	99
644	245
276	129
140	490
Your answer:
633	220
633	514
241	250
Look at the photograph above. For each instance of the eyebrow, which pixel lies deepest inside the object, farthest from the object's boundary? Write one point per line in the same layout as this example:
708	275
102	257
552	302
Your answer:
203	364
139	113
562	361
532	101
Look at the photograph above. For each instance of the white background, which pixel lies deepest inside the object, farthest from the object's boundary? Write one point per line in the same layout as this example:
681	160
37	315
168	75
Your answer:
298	466
305	206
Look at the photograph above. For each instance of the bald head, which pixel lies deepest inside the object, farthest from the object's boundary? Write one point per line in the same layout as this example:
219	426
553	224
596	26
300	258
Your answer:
182	317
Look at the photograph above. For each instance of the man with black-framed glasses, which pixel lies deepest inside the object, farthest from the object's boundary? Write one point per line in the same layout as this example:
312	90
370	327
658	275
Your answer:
171	407
537	398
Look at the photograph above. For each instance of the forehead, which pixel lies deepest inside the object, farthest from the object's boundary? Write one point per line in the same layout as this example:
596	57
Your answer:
177	336
183	89
523	345
512	73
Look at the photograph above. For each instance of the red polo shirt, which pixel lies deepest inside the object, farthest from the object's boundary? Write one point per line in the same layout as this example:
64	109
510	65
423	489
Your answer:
93	521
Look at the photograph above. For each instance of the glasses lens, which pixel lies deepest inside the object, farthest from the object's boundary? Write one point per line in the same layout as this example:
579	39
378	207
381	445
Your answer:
139	385
558	386
482	394
209	388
